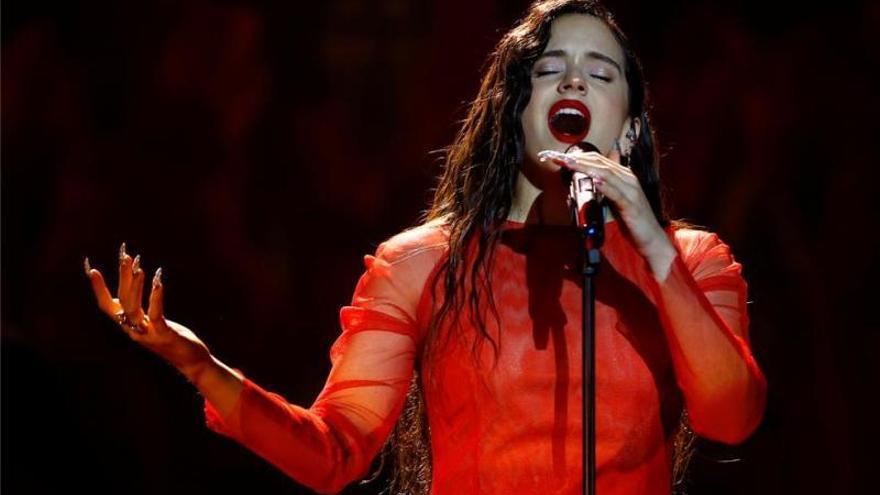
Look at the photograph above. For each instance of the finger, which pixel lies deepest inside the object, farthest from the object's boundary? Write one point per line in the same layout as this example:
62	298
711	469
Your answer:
102	294
137	290
130	303
579	161
137	283
595	162
557	157
611	191
578	164
156	310
610	162
124	276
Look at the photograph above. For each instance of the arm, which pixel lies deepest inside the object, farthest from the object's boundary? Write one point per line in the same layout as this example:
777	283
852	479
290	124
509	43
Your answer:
701	299
218	383
333	442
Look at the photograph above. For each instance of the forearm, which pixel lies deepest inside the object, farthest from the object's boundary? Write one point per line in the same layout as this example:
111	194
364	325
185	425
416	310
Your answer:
318	447
293	439
707	348
218	383
724	387
660	256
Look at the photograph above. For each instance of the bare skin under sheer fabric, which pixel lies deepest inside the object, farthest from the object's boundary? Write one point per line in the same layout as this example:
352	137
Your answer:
514	425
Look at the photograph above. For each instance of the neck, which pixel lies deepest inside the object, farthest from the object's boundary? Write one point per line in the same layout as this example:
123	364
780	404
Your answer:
547	204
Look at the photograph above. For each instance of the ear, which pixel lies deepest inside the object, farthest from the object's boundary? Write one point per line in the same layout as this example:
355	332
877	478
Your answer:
629	134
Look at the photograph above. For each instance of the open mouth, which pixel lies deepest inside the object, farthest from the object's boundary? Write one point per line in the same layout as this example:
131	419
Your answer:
569	121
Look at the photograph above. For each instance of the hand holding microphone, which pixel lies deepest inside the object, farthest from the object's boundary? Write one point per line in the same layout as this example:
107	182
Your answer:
621	189
584	198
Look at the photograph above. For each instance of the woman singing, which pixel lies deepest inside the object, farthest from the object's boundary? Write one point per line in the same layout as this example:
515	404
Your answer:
460	351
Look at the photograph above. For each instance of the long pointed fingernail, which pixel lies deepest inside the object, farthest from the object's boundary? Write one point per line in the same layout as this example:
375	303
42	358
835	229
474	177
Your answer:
549	155
122	252
136	264
557	157
157	278
87	266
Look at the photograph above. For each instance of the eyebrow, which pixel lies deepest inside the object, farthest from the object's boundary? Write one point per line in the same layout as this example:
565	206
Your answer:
591	54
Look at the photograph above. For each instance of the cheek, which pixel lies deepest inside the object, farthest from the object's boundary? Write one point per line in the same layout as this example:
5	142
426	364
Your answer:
620	105
534	119
612	115
529	123
533	137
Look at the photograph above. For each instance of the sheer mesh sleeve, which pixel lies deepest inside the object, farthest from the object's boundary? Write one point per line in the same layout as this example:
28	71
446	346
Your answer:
334	441
702	304
702	307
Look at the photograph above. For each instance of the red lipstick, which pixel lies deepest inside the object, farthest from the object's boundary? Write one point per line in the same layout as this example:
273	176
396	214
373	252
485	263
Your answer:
569	121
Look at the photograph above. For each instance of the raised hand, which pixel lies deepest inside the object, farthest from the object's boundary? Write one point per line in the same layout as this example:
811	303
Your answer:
622	188
171	341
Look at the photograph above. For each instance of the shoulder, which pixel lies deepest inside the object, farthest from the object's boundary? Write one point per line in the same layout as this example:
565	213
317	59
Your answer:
401	267
702	250
421	243
692	239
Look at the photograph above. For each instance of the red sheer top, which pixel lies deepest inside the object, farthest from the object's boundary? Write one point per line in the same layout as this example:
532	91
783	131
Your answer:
514	425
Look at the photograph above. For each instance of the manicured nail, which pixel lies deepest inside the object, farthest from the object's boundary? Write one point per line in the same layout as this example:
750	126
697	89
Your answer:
157	278
545	155
87	266
553	155
122	252
136	264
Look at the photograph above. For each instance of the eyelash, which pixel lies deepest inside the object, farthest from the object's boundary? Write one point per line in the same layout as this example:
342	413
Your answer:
545	72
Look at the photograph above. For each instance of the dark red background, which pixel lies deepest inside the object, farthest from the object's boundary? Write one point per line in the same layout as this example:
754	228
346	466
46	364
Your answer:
256	151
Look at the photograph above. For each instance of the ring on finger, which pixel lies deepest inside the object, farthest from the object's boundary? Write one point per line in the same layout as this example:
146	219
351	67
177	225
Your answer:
125	323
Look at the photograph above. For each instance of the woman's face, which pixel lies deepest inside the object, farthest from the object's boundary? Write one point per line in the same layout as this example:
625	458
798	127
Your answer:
583	62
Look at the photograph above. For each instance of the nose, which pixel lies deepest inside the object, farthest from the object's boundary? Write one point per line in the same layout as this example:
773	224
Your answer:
573	81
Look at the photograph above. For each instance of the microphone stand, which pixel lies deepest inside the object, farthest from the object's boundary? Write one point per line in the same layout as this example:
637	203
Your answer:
589	218
590	222
592	234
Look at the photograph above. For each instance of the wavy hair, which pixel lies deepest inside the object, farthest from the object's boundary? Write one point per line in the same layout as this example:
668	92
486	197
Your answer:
473	199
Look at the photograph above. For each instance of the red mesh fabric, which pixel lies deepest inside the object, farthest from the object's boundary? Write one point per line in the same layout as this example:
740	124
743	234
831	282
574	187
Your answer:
513	425
333	442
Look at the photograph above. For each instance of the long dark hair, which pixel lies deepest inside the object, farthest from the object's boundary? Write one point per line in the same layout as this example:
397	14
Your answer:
474	197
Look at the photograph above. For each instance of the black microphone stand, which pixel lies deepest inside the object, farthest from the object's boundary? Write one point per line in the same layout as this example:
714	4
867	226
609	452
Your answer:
592	234
591	224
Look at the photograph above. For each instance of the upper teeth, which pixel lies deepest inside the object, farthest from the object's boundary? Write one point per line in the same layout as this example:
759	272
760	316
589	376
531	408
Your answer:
569	111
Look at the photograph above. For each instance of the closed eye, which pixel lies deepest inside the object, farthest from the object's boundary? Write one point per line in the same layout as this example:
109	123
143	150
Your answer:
545	72
601	78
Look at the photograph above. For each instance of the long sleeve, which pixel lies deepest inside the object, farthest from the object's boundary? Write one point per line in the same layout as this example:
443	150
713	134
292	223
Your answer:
702	308
334	441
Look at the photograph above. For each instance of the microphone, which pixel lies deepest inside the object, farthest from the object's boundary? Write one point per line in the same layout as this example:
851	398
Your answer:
584	200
